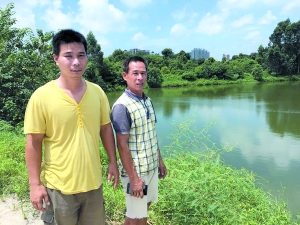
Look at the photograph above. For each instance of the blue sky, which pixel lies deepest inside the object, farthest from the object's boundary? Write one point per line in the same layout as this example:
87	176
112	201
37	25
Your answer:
220	27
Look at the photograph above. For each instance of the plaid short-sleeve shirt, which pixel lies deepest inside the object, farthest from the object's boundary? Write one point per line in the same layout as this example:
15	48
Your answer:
139	123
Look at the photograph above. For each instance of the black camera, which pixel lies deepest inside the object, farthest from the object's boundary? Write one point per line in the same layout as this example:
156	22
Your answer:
145	188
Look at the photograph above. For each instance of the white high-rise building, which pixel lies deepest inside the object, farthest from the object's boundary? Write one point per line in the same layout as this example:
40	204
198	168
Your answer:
198	53
226	56
136	50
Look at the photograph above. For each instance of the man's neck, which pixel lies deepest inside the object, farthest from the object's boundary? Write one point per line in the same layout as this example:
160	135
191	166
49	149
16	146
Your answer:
70	84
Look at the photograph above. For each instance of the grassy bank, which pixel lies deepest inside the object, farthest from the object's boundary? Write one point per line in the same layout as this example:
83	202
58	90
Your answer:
170	80
199	189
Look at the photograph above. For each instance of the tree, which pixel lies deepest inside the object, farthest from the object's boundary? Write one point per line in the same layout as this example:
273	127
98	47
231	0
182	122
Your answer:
200	61
198	71
26	64
257	72
154	77
175	65
164	70
154	60
219	69
183	56
190	65
206	71
95	68
283	56
167	53
262	56
113	69
113	72
189	75
119	56
234	70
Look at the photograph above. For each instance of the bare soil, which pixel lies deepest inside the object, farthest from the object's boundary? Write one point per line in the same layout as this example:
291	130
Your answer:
14	212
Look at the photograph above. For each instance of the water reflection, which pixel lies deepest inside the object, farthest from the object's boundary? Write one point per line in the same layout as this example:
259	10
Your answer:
277	101
262	120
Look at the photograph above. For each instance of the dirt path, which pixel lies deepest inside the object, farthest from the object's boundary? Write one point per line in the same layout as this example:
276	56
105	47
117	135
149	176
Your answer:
12	212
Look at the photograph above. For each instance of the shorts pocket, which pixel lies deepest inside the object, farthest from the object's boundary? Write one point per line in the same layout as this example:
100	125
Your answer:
48	217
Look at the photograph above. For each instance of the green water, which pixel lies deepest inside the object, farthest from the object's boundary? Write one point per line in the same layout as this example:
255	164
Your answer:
261	120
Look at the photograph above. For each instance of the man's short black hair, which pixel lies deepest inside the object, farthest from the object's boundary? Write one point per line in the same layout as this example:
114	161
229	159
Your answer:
66	36
126	62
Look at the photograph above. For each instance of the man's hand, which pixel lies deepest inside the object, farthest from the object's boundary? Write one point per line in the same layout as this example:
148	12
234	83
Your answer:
162	170
38	193
136	186
113	172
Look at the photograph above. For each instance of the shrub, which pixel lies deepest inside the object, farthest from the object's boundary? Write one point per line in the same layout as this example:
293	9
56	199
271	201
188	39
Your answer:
190	76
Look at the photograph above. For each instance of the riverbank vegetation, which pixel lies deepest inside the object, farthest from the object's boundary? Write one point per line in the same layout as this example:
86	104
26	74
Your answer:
27	63
199	188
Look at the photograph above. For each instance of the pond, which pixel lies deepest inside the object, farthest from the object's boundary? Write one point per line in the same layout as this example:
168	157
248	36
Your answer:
261	121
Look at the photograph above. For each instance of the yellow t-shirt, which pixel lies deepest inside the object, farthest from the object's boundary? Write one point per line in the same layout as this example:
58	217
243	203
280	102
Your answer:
71	143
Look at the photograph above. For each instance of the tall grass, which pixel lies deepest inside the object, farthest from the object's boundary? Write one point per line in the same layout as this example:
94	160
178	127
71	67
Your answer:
199	189
13	173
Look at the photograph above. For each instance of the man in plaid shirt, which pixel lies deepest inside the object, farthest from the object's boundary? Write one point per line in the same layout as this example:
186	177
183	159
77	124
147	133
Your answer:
133	118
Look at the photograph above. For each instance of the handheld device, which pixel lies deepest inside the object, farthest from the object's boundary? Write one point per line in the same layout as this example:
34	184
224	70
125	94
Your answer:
145	188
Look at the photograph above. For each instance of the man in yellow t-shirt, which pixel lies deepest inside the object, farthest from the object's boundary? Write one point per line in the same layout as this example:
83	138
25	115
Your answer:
68	114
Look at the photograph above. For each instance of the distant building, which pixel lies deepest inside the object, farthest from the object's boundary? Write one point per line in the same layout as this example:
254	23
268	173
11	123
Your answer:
226	56
198	53
134	51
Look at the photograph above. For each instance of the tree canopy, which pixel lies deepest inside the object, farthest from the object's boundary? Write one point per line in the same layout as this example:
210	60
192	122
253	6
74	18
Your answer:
27	63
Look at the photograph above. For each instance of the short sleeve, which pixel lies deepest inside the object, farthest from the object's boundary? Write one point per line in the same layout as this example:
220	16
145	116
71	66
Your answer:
120	119
34	121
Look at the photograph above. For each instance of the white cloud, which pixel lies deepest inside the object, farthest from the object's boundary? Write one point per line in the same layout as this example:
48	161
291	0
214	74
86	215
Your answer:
25	19
178	30
26	4
180	14
139	37
24	14
100	16
185	14
57	4
158	28
135	3
252	35
267	18
291	6
247	19
104	42
211	24
55	18
33	3
253	144
58	19
227	5
274	2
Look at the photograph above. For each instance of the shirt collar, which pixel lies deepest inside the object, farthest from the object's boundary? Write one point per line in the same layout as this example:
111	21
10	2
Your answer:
134	96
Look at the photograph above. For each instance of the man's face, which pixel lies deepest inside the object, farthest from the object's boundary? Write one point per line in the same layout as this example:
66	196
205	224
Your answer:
136	77
72	60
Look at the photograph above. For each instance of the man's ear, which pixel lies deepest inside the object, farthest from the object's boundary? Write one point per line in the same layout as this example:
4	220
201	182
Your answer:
55	57
124	75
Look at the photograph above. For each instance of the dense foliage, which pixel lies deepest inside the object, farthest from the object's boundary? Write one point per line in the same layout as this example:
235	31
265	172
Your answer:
199	188
27	63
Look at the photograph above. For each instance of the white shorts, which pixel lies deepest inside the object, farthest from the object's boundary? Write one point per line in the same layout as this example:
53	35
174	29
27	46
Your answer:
137	208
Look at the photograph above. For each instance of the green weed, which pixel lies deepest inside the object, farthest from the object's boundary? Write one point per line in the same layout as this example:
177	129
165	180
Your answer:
199	189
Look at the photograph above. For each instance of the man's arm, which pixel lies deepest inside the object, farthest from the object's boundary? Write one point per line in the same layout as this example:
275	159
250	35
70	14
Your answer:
108	141
33	156
162	170
136	183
